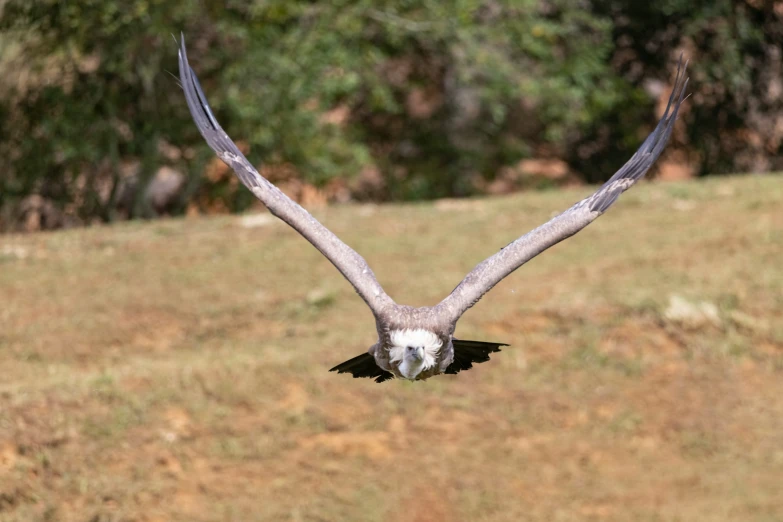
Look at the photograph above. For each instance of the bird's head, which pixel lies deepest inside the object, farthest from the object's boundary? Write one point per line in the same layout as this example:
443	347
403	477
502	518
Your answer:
413	351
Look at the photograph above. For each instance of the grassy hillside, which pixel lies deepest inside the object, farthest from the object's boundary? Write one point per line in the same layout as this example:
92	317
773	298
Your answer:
177	370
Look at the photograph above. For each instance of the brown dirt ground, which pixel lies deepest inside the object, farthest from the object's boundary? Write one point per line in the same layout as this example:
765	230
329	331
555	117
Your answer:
177	370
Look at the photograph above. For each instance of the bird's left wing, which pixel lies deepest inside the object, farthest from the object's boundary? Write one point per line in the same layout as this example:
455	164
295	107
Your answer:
468	352
350	264
492	270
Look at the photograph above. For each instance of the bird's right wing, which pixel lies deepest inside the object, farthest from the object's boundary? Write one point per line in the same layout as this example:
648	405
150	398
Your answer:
363	366
350	264
492	270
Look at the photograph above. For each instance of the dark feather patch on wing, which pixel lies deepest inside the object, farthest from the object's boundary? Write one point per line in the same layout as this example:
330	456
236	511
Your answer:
363	366
649	150
468	352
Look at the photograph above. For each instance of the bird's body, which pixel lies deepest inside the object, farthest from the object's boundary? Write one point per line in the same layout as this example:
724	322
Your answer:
400	327
418	343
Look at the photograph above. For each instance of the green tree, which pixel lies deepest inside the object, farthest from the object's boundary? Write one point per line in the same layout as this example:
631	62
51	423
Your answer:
431	90
736	70
432	96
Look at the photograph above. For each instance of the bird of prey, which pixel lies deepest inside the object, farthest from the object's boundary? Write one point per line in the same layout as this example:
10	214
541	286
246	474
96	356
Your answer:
418	343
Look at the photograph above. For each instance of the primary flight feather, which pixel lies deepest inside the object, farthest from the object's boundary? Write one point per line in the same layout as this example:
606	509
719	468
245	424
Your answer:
418	343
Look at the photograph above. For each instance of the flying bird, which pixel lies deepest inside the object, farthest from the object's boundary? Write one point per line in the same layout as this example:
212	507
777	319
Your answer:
418	343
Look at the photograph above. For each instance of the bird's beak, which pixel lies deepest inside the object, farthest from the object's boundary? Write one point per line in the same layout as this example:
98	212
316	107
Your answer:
419	354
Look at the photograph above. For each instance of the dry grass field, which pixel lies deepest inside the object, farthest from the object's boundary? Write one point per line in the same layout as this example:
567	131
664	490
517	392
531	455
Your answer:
177	370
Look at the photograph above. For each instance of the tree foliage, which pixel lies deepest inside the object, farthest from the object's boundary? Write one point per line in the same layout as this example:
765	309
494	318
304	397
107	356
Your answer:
735	120
429	98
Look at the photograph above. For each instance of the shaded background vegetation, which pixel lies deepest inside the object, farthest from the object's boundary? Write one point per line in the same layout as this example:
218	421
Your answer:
361	99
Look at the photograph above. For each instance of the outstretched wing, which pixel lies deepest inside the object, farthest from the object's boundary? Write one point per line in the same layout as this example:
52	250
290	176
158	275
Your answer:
363	366
492	270
350	264
468	352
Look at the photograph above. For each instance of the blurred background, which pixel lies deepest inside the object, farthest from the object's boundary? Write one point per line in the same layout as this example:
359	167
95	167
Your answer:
165	370
365	100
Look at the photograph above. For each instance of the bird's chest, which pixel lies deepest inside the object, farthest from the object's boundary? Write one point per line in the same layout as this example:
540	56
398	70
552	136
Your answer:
410	369
429	372
418	372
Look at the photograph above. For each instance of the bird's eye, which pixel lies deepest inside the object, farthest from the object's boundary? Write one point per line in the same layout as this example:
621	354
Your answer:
410	348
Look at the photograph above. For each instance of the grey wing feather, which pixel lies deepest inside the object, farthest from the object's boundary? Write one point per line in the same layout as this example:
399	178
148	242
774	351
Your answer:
492	270
350	264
